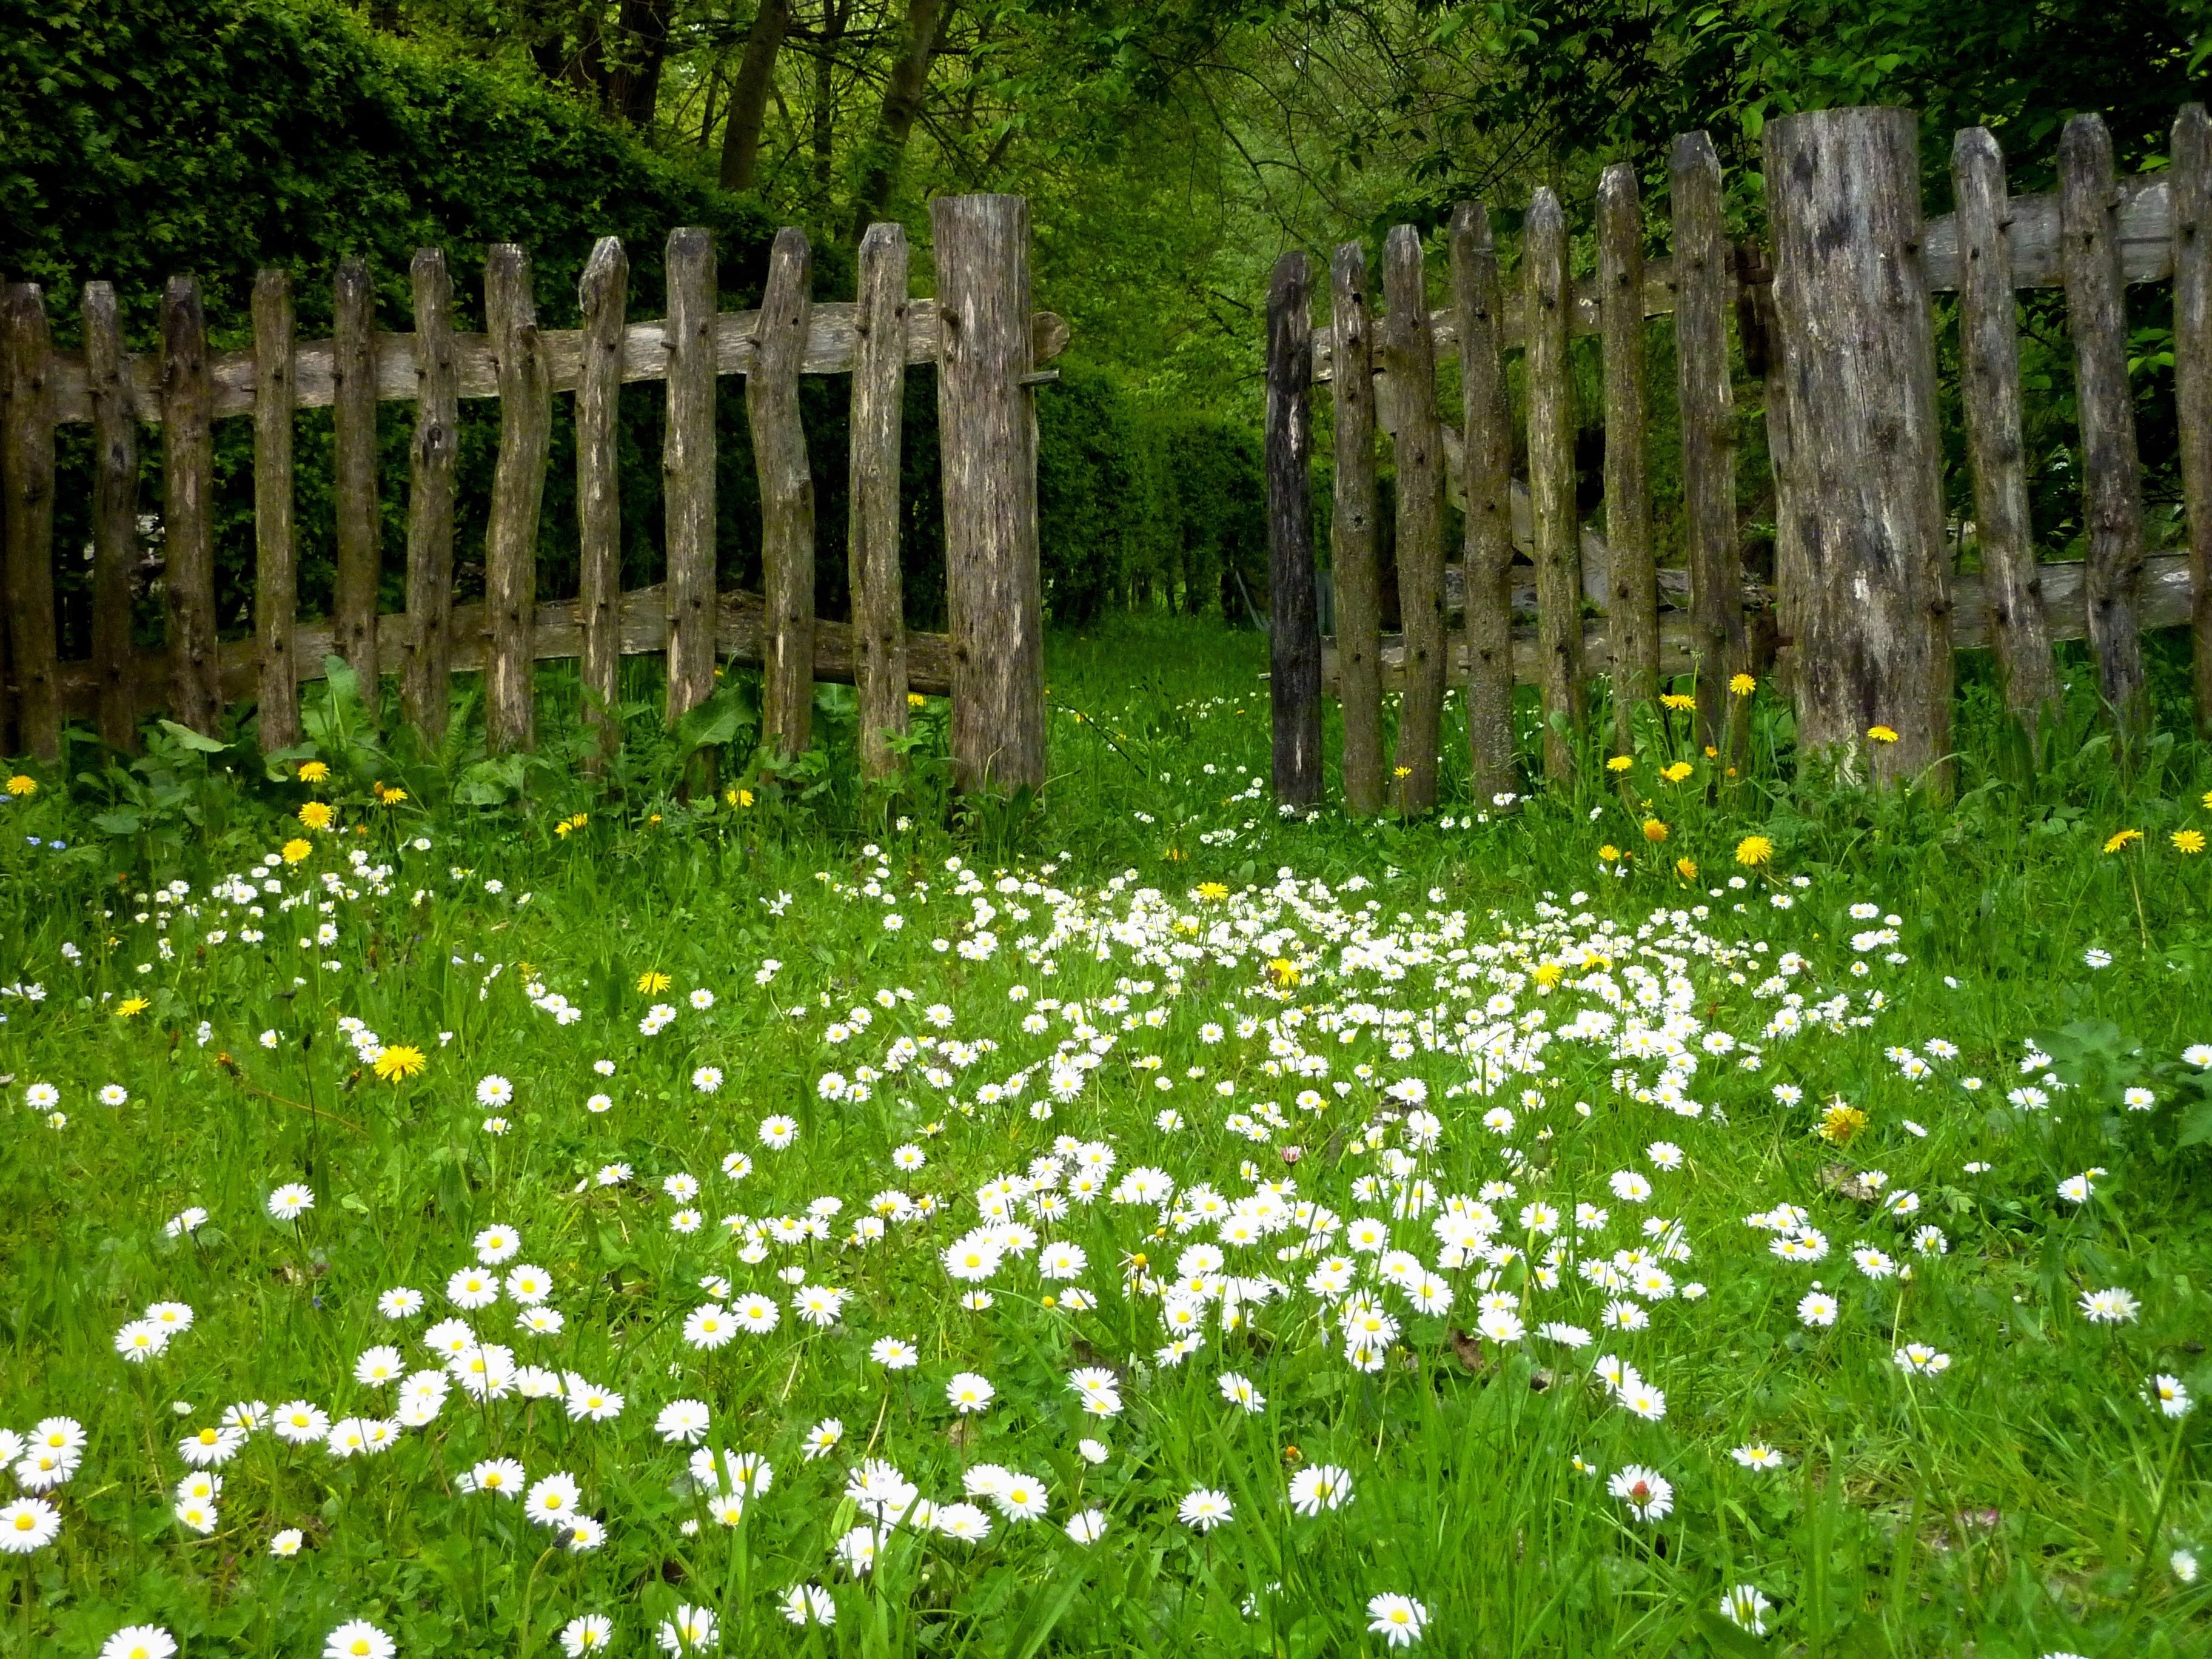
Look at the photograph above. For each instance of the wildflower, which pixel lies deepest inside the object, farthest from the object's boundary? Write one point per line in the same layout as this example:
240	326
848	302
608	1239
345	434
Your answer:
1686	868
691	1630
2167	1393
1742	685
1203	1508
1320	1486
1648	1494
1919	1359
502	1477
1236	1388
1882	734
131	1007
1840	1122
1396	1619
1757	1455
1754	850
1620	762
587	1633
1746	1609
293	850
894	1355
22	786
2122	838
2190	842
2112	1307
316	814
1608	853
358	1640
287	1544
553	1501
400	1061
1677	771
1087	1526
970	1393
291	1202
1655	831
809	1604
2183	1563
1680	703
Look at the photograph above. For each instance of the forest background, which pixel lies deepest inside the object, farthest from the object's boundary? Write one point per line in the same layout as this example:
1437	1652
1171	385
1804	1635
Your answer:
1170	150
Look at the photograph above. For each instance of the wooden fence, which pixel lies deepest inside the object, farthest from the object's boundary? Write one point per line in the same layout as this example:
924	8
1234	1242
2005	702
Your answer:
979	331
1866	610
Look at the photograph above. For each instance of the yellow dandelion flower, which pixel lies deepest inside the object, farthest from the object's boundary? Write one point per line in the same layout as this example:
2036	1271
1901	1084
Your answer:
1620	762
130	1007
1284	972
2188	841
1840	1122
2125	838
744	797
1211	890
1754	851
1402	771
1550	973
316	814
1742	685
915	700
1686	868
1680	703
1654	831
23	784
1677	771
652	981
314	771
400	1061
1608	853
1882	734
563	829
390	797
294	850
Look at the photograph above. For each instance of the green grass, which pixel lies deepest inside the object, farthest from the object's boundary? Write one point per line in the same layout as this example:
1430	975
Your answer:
2026	1500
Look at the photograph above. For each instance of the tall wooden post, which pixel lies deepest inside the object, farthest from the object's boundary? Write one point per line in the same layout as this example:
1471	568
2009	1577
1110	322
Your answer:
602	293
1416	445
871	547
1352	533
426	687
2111	473
1631	588
188	527
1552	483
1866	504
114	517
276	556
1988	346
1486	417
27	519
787	487
359	513
687	466
1294	630
987	427
518	490
2192	372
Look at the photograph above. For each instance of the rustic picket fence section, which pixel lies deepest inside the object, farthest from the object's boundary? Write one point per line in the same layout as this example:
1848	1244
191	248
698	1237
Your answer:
979	331
1866	610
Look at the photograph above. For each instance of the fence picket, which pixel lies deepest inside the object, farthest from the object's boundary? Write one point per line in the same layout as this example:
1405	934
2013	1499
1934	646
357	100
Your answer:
114	518
1706	401
360	519
687	465
276	559
27	474
872	541
603	293
518	490
426	688
1552	481
1417	446
1352	533
187	484
2192	371
2111	476
1294	628
1631	589
787	489
1486	451
987	425
1990	393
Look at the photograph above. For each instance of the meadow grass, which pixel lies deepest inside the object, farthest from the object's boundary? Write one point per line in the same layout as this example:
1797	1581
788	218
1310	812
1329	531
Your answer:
1776	1250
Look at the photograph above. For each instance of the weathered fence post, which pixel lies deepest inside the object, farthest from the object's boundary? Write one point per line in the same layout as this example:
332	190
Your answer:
1352	533
187	484
872	544
603	294
2111	475
360	519
1410	372
2011	582
27	521
1294	628
987	429
2192	188
1703	280
1866	502
1631	605
114	517
687	465
1552	483
426	688
517	489
275	561
786	488
1486	417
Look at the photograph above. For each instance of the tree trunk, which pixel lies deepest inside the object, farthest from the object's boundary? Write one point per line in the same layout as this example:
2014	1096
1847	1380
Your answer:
748	98
926	21
634	86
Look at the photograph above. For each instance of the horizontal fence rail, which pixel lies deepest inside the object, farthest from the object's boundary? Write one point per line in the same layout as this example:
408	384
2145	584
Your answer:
980	331
1834	315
